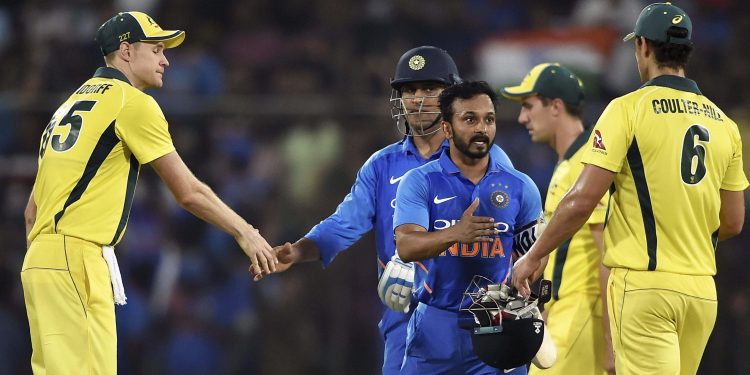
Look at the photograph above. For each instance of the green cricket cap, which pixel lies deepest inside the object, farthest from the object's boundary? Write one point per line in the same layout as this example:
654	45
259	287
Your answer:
663	22
549	80
134	27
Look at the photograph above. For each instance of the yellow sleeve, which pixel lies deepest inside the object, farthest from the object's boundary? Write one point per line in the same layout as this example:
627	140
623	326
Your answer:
735	179
144	130
612	135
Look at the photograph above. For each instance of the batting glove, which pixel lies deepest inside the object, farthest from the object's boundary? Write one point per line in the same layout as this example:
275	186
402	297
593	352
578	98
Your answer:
396	284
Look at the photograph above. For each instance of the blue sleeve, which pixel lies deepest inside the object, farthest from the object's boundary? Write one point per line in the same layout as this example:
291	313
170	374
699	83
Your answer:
353	218
412	202
531	203
501	157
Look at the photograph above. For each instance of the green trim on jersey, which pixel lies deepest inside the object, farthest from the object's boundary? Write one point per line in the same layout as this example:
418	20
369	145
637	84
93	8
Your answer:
557	273
103	148
107	72
644	199
715	238
128	203
578	143
675	82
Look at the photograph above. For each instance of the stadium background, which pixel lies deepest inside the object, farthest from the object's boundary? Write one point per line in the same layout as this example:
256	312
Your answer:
276	104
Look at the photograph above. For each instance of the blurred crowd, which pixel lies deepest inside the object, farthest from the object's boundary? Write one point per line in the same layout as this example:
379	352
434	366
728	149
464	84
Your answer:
276	104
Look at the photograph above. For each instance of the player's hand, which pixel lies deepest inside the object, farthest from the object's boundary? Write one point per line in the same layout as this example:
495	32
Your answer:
263	260
396	284
286	255
523	272
472	228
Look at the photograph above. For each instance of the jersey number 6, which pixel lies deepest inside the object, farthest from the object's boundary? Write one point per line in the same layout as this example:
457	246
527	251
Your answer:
692	172
75	122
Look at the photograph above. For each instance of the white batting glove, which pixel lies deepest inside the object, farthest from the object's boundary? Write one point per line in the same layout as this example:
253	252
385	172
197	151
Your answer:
396	284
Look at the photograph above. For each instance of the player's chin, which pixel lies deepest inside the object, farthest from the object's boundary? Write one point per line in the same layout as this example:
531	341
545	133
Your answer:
423	127
479	148
157	81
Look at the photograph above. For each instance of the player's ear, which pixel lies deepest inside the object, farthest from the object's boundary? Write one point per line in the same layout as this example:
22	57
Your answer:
447	130
124	51
558	106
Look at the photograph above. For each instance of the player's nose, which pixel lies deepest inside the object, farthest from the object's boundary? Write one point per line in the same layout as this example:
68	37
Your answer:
523	119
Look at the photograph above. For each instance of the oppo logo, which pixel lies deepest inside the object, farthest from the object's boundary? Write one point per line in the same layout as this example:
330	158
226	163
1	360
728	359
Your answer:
441	224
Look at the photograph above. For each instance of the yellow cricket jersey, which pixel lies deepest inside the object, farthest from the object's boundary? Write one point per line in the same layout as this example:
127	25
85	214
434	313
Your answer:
90	155
672	150
574	266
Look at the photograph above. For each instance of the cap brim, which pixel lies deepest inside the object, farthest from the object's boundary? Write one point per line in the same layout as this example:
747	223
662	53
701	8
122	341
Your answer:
170	38
629	37
517	92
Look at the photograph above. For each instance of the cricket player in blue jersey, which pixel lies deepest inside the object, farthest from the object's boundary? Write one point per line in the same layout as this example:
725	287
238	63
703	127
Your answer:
456	217
421	74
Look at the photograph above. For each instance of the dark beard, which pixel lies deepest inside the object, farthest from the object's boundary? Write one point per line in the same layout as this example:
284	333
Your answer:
464	146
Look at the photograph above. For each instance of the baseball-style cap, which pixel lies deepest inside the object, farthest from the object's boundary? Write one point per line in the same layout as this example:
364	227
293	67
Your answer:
655	23
550	80
134	27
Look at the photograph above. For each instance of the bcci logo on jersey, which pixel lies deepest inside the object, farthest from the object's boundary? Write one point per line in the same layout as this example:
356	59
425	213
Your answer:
500	199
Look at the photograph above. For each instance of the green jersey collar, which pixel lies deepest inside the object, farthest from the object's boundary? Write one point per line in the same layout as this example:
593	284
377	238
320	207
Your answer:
107	72
675	82
578	143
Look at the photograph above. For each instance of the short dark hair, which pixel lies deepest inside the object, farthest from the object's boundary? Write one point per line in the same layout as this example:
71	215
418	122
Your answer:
463	90
572	110
672	55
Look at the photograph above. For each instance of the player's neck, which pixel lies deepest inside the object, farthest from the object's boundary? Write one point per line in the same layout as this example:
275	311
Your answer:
654	71
472	168
566	133
428	145
125	69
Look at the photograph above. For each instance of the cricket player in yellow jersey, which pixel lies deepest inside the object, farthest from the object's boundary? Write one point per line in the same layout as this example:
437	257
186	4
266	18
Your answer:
674	162
89	158
551	99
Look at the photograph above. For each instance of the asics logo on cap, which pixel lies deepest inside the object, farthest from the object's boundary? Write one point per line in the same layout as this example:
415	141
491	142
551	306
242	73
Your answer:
677	19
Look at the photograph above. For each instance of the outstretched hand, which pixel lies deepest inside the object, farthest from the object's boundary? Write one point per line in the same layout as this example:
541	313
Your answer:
524	273
262	257
472	228
285	255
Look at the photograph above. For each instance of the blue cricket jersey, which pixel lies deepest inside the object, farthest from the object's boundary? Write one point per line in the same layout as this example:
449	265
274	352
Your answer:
435	196
372	200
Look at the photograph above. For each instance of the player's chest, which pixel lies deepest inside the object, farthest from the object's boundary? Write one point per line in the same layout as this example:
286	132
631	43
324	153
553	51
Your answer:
498	198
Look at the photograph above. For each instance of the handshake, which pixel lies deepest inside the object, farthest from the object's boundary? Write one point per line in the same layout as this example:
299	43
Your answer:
396	284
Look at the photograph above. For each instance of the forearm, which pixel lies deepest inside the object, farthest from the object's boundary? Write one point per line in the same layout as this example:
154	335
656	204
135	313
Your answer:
567	219
731	213
418	245
202	202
